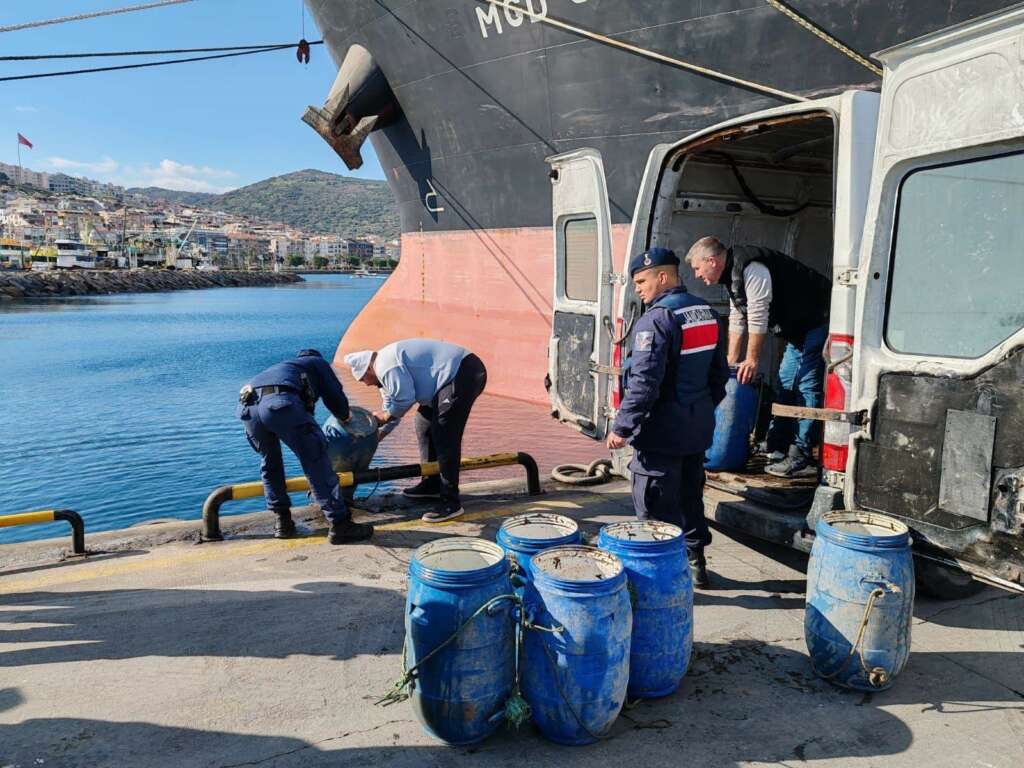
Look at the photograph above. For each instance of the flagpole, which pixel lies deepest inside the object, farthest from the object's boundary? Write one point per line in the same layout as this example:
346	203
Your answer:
21	171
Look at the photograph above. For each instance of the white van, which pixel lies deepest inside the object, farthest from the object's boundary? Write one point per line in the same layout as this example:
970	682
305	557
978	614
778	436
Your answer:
912	202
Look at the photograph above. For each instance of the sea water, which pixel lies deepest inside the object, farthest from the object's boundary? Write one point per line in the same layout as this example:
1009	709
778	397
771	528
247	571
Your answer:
123	407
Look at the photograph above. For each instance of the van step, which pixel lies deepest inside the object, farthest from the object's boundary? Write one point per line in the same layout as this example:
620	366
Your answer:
786	527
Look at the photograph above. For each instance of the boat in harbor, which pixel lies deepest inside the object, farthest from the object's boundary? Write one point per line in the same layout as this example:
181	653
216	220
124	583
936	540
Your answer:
463	102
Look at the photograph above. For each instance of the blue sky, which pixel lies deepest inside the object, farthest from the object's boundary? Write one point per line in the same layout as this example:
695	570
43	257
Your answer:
205	126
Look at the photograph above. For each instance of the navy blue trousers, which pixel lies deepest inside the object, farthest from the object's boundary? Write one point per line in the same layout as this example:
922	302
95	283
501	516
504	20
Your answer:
671	489
282	418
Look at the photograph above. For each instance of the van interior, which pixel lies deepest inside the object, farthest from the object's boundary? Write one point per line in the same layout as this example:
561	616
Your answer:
771	184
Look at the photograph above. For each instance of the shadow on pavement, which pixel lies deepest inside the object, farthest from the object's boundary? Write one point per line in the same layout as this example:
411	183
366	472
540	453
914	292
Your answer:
331	619
72	562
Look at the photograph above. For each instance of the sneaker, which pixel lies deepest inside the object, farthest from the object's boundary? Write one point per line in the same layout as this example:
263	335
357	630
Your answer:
698	568
796	464
284	527
447	510
772	456
346	531
427	488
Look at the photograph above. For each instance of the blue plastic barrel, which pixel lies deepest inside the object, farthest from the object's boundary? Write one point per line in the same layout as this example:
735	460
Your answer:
860	599
735	418
654	556
576	669
351	445
460	693
523	536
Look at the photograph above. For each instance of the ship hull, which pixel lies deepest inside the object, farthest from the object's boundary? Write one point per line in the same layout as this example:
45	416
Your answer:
483	96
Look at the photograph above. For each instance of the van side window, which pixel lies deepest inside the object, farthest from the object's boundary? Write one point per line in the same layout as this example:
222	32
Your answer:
958	258
580	259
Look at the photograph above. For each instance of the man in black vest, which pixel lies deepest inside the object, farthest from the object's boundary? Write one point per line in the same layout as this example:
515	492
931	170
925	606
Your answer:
770	291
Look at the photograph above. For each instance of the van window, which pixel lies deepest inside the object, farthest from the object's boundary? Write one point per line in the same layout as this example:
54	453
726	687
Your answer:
580	259
958	258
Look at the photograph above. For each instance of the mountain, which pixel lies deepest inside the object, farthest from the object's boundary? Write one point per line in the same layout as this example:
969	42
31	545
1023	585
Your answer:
198	199
314	201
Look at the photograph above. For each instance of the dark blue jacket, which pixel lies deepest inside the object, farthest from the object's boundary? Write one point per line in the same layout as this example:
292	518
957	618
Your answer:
317	371
675	377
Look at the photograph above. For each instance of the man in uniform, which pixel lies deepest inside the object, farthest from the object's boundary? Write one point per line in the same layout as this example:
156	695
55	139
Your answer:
768	290
277	405
445	380
676	376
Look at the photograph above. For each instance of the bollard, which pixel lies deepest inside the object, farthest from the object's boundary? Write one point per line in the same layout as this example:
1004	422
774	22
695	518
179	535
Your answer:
49	516
213	503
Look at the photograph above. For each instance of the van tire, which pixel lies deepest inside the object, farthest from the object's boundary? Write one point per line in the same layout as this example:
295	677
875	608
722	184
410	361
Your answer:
944	583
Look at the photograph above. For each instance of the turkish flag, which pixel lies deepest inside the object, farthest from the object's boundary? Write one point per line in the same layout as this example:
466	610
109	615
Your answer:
23	140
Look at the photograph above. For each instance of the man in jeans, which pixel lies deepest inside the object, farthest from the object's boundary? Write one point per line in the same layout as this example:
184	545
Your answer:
769	290
445	380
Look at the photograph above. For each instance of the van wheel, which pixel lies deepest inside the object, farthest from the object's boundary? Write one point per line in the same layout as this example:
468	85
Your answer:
943	582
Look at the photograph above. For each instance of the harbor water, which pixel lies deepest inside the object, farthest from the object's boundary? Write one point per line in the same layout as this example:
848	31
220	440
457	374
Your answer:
123	407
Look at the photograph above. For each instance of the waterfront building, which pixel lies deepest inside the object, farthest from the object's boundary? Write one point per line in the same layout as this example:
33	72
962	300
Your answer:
360	249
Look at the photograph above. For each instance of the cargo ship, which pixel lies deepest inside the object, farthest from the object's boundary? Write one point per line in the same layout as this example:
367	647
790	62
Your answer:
463	100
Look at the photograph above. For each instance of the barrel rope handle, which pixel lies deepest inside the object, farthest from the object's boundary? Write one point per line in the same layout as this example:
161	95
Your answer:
877	676
402	688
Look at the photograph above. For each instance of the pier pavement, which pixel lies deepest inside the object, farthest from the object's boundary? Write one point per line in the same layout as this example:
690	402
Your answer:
257	652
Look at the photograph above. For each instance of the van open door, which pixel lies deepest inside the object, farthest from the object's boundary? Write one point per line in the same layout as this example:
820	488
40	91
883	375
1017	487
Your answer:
938	367
579	352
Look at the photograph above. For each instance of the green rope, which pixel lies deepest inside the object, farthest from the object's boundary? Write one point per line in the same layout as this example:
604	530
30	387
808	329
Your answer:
516	710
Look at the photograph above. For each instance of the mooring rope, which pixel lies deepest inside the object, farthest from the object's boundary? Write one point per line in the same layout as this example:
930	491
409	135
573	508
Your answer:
820	33
595	473
91	15
645	52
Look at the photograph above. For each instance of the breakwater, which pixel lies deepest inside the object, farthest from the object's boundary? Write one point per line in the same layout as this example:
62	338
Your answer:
86	282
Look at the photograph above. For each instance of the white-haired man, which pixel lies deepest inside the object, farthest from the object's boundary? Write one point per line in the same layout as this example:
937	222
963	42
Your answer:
770	291
445	380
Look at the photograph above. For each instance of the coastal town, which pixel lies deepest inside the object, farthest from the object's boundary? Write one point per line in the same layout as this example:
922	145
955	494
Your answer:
58	221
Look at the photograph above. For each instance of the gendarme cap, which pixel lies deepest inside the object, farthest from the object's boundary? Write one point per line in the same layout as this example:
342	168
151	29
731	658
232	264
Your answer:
653	257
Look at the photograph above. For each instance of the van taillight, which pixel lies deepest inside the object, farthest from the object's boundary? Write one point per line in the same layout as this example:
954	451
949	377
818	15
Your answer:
838	381
617	362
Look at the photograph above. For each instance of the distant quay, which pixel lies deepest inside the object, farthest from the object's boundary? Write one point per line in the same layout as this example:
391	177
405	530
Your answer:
83	282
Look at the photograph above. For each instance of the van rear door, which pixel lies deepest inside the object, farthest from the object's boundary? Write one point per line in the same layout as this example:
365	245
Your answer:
579	350
939	358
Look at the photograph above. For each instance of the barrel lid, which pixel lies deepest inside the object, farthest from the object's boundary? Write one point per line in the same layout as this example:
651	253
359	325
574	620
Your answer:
577	564
360	424
868	529
642	531
459	554
540	526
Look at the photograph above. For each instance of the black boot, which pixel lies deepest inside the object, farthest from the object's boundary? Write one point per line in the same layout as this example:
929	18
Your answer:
347	531
427	488
284	526
698	568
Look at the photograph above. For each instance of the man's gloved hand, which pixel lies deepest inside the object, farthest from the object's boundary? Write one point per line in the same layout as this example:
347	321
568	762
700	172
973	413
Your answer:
382	417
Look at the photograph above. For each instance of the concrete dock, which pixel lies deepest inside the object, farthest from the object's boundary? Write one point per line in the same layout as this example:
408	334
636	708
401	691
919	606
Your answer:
257	652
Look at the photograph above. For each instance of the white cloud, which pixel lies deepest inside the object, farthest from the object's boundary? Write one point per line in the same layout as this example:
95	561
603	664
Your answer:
106	165
169	174
21	108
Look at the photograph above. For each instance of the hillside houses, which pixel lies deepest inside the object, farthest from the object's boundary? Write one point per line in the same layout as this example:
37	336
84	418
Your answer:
135	231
